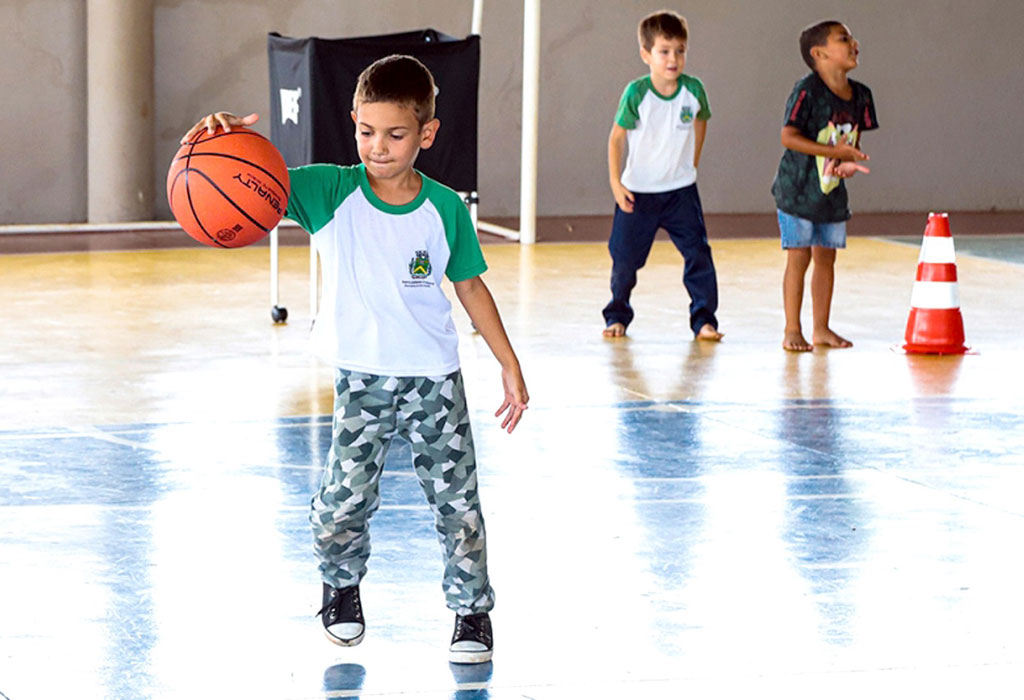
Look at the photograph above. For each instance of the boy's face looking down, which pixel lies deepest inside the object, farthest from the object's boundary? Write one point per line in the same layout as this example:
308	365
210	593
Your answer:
389	137
667	58
839	51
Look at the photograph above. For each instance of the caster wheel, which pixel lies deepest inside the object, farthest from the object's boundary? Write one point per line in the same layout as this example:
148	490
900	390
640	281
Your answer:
279	314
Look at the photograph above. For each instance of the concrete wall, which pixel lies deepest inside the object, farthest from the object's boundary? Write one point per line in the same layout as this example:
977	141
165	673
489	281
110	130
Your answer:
42	112
946	77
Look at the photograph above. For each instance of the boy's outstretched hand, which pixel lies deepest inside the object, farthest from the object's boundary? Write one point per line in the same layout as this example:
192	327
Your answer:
226	120
848	168
516	398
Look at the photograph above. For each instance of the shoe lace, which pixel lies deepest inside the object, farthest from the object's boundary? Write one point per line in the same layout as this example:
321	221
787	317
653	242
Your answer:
473	627
337	602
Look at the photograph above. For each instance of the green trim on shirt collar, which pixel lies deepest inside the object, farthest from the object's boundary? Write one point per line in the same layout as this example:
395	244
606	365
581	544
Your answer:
667	98
378	203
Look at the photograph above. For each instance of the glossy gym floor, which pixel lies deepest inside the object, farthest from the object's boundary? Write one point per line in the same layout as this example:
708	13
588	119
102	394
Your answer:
672	519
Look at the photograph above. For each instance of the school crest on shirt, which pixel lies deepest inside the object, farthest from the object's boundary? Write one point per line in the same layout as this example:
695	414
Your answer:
419	271
419	266
686	115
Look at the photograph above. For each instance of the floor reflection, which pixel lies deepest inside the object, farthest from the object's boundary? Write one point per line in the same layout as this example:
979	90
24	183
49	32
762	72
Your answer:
825	516
344	680
935	375
471	680
672	519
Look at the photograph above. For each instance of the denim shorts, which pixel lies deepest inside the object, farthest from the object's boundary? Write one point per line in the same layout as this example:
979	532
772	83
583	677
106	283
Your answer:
802	233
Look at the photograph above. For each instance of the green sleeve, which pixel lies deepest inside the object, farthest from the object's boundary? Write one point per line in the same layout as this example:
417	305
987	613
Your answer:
316	193
629	105
696	87
466	260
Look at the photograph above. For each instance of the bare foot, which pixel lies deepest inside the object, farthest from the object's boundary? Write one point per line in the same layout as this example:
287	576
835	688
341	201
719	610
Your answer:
828	338
708	332
794	342
614	330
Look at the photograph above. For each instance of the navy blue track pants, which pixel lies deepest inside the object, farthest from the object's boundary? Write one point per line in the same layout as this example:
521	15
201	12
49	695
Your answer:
678	212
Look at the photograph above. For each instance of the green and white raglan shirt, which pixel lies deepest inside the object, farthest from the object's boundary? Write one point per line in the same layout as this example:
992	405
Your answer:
659	134
382	310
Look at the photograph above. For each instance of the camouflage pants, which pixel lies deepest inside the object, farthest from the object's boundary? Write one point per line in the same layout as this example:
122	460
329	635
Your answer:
431	414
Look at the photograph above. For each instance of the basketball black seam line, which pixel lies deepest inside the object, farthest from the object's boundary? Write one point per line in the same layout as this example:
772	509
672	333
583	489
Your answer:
188	190
191	206
221	135
232	202
200	140
188	194
195	215
240	160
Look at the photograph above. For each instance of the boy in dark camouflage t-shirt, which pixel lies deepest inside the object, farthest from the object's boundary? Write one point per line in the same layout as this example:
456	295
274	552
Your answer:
825	117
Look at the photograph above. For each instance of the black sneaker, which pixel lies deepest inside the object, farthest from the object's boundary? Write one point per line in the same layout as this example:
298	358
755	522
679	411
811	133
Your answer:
342	615
473	641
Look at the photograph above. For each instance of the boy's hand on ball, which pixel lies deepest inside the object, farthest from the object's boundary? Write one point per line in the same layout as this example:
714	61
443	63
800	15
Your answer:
225	120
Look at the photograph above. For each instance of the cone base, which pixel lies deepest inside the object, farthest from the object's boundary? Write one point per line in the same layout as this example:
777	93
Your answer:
935	332
916	349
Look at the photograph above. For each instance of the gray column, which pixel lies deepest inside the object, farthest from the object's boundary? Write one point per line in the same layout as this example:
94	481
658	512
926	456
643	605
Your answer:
119	47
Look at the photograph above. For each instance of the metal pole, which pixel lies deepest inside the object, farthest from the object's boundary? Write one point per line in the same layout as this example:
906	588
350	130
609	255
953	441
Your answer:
314	281
486	227
476	28
478	17
531	112
275	288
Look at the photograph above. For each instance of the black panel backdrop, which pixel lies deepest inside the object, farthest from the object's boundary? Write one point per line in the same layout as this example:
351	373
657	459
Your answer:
311	85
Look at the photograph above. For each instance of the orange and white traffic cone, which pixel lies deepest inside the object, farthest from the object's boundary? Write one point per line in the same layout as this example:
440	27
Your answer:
935	325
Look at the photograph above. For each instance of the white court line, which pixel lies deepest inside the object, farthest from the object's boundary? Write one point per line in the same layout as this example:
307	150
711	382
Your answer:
129	508
419	506
794	497
402	693
95	433
862	471
826	566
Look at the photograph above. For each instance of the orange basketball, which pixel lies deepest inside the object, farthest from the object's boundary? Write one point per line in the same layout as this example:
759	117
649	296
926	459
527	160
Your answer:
228	189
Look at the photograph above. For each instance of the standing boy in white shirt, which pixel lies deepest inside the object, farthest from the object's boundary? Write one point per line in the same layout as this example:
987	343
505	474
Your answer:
662	119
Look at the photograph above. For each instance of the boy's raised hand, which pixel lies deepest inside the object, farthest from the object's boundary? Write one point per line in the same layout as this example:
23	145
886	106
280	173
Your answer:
516	398
223	119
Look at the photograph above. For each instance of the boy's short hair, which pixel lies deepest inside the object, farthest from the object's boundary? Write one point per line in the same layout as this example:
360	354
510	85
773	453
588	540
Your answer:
664	23
815	35
399	79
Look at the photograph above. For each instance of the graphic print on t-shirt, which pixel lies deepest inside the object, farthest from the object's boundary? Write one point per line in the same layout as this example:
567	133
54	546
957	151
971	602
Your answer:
840	129
805	185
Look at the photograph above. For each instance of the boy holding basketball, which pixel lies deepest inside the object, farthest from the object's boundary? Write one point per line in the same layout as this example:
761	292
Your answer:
386	234
662	119
825	116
